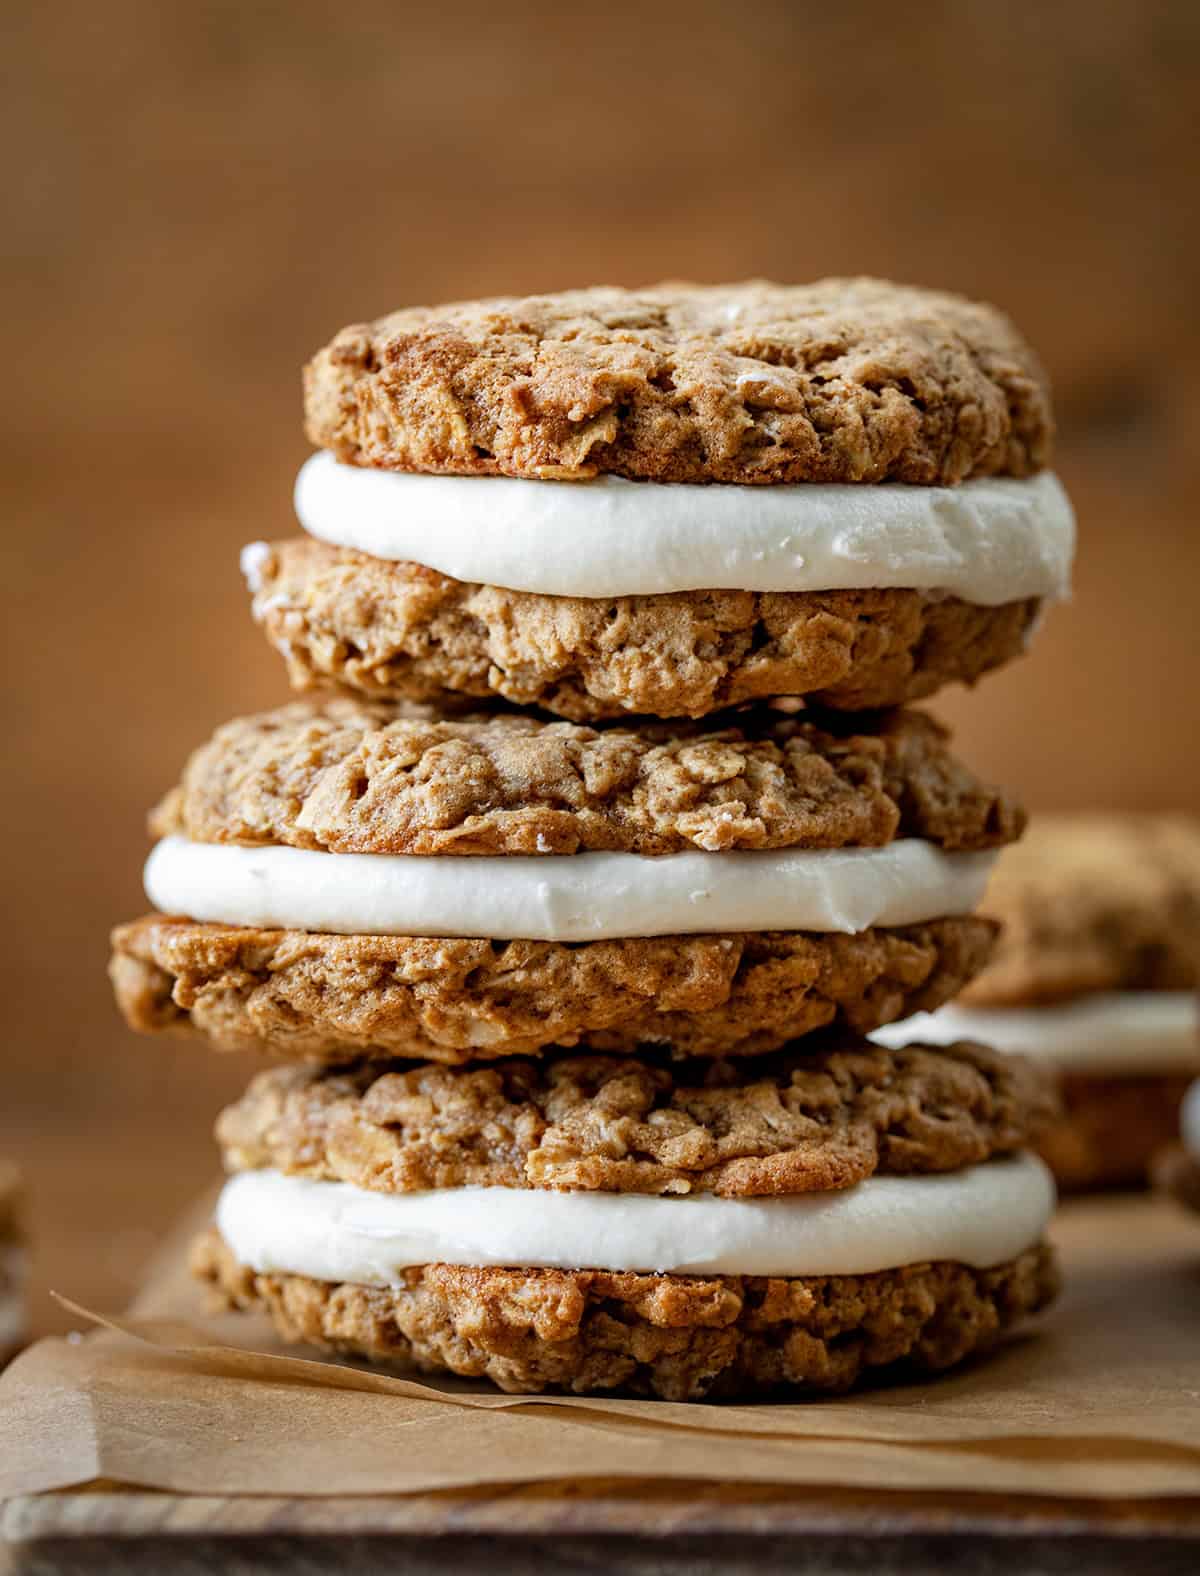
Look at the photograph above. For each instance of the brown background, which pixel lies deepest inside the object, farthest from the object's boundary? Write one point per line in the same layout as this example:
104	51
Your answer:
204	193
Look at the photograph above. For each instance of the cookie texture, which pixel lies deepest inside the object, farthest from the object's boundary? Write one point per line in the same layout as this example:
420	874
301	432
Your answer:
336	998
1112	1128
1094	903
797	1122
361	777
681	1338
844	380
400	630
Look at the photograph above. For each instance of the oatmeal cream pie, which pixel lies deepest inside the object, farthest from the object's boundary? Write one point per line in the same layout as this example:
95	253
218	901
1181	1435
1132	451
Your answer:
679	1229
1096	974
670	501
358	878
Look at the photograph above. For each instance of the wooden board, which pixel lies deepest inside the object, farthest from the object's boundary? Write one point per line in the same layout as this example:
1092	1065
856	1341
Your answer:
657	1528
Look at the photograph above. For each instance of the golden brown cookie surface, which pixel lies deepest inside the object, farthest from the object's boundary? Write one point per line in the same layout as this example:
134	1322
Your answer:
334	998
400	630
799	1121
844	380
362	777
682	1338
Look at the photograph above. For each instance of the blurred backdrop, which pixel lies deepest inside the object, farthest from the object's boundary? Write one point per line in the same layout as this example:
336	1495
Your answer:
201	194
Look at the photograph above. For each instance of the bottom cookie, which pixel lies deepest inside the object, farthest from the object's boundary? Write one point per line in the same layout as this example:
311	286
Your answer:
1112	1128
681	1338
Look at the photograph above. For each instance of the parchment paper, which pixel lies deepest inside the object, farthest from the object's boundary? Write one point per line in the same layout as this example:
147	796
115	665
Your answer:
1102	1399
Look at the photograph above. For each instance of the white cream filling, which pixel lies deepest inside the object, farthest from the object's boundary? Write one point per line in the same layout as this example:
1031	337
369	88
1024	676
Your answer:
1119	1032
1189	1120
251	561
334	1231
564	897
991	540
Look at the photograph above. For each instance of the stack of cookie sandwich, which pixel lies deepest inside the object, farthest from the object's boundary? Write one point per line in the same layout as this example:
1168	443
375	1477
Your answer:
571	1002
1095	975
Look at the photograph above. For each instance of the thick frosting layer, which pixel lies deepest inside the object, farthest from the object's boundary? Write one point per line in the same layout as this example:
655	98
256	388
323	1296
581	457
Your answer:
1120	1032
1189	1120
990	540
564	897
334	1231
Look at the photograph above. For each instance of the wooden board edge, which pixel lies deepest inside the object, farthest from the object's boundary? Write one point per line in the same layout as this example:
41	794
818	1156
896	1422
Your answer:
657	1511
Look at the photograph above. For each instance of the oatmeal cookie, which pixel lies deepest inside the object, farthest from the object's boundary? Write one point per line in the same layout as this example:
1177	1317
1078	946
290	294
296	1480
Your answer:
401	630
844	380
798	1121
682	1338
367	777
335	998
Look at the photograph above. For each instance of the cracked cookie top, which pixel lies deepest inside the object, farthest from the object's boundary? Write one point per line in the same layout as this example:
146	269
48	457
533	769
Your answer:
795	1121
360	777
844	380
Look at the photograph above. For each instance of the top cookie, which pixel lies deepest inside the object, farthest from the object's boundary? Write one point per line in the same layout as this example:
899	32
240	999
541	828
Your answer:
845	380
1094	903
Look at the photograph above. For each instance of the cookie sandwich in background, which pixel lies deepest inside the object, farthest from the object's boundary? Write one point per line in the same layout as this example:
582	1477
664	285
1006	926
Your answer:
1095	974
